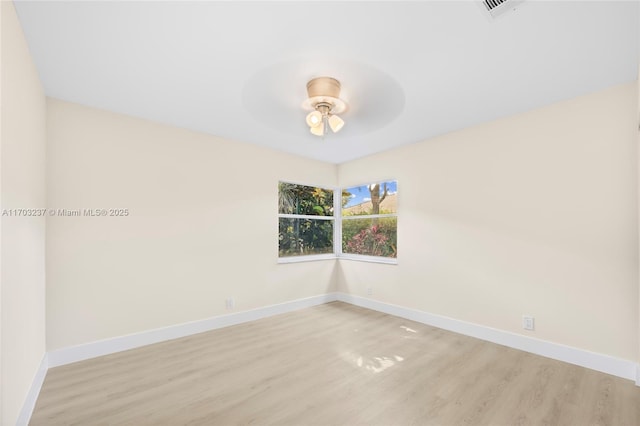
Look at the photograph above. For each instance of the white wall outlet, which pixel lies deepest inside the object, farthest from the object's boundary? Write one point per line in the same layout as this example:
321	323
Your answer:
230	303
369	291
528	323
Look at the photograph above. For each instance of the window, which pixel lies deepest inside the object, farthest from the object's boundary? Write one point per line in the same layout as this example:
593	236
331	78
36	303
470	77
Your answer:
364	226
306	221
370	220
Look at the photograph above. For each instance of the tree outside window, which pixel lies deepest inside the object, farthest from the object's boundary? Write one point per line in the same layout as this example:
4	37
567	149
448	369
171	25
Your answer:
369	219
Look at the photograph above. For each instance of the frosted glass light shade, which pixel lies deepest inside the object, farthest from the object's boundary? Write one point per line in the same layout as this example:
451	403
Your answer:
317	130
336	123
314	119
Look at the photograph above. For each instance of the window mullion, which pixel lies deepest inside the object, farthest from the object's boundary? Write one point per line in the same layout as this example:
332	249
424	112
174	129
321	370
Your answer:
337	224
303	216
370	216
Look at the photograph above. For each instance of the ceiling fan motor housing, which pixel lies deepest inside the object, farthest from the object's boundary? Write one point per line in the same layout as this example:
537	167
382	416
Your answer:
323	86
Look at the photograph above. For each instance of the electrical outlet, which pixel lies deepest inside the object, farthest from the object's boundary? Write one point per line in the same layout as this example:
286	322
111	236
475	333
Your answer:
528	323
369	291
230	303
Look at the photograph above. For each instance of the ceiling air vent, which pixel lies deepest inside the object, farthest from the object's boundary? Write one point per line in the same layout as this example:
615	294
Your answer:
499	7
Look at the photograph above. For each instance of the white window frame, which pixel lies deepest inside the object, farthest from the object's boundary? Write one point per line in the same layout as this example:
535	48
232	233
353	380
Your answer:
312	257
361	257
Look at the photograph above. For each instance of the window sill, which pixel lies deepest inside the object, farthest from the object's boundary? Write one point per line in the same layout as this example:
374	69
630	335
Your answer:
355	257
371	259
309	258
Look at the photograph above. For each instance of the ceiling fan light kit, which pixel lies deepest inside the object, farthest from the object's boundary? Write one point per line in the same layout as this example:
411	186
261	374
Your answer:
325	103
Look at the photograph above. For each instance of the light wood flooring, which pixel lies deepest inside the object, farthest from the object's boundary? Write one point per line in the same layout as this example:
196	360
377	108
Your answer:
334	364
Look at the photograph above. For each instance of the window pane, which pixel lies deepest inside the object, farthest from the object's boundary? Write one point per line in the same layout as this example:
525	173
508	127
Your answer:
372	237
298	237
376	198
301	199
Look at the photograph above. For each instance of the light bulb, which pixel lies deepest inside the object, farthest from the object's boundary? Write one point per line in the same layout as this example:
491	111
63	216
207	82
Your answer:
314	119
336	123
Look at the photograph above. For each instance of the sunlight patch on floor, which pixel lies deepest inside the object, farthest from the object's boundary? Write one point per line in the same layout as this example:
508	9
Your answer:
376	364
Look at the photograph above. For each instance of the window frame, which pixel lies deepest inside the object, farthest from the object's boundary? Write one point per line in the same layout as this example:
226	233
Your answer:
311	257
363	257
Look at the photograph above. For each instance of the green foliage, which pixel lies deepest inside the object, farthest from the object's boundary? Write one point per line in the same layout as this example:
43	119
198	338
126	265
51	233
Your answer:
303	236
346	196
302	199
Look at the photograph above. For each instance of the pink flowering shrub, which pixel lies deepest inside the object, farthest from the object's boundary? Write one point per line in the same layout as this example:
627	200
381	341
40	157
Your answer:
369	241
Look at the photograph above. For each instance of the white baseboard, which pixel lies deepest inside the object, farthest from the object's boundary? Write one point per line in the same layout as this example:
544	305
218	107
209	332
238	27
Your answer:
32	396
122	343
595	361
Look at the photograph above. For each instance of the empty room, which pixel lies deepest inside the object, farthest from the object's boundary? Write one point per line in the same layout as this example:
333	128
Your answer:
319	213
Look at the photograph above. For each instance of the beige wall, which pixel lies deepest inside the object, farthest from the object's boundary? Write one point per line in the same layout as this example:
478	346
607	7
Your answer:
22	173
202	226
532	214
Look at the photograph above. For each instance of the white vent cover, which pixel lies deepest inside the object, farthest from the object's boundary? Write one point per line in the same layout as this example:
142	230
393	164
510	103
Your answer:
499	7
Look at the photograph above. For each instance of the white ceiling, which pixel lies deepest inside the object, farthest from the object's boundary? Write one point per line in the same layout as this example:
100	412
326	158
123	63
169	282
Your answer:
409	70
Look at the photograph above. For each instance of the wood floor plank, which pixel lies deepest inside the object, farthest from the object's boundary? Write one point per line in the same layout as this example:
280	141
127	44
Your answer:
334	364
